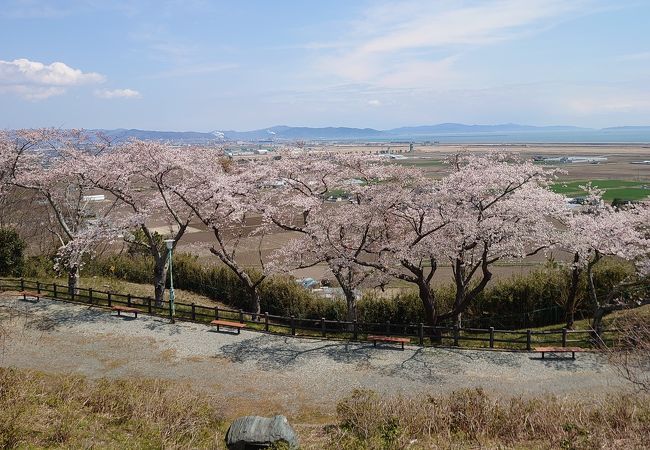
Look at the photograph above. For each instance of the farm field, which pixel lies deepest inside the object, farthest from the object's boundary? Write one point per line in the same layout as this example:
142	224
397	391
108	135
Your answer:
615	189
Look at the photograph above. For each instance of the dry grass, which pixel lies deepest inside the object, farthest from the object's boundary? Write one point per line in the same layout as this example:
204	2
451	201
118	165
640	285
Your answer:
472	419
39	410
631	352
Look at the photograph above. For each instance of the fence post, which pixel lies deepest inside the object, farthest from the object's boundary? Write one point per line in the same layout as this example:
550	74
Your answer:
266	321
491	337
564	333
293	326
90	295
149	307
388	327
241	316
22	284
128	299
529	335
322	326
38	287
421	334
72	294
455	335
54	290
193	311
216	313
110	300
355	330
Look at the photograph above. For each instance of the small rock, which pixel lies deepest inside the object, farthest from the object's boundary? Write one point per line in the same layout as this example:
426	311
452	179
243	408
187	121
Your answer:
254	432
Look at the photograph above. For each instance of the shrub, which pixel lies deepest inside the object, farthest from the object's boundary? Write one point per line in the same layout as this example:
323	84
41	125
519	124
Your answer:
529	300
474	418
12	252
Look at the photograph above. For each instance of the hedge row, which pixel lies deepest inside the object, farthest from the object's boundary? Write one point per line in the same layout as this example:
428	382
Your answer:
533	299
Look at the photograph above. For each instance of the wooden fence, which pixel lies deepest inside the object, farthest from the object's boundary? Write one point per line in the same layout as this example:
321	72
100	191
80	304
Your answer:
419	334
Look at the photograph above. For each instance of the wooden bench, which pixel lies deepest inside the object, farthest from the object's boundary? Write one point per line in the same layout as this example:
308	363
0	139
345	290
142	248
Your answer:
34	294
572	350
391	339
226	323
126	309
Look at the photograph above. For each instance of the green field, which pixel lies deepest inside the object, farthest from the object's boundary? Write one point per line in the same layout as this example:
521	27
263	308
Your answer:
623	189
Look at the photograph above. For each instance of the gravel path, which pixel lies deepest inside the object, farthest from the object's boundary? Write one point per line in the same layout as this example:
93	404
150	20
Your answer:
263	373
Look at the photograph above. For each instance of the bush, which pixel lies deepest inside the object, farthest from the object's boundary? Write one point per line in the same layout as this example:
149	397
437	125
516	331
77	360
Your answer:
471	418
12	252
530	300
39	267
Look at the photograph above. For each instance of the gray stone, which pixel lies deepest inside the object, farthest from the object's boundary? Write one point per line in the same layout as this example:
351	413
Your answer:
253	432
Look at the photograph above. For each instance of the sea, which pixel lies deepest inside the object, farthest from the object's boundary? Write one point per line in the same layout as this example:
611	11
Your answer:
595	137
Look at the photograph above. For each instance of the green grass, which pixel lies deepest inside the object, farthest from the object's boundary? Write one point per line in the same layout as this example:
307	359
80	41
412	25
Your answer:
623	189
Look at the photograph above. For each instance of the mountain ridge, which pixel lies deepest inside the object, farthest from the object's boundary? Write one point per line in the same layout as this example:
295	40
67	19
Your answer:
289	133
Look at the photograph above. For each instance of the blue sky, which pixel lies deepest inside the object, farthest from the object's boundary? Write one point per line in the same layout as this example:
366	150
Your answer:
216	65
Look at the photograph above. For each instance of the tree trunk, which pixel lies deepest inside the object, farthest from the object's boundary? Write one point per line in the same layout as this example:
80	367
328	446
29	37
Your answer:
596	324
429	304
73	280
351	313
458	301
256	302
159	280
350	297
459	281
590	281
570	306
352	307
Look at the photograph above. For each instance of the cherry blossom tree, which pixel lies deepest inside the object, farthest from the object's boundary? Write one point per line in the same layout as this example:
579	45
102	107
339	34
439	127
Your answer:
19	150
54	169
320	199
138	173
405	218
597	230
502	208
221	196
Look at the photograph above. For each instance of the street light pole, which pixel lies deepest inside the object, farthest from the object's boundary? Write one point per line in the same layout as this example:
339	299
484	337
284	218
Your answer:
170	245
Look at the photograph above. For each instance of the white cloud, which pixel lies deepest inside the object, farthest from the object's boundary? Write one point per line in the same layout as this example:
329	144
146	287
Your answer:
415	43
117	93
642	56
374	102
605	100
34	80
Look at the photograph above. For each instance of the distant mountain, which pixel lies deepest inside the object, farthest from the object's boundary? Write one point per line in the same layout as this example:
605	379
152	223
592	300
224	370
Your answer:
462	128
344	133
289	133
629	128
443	132
122	134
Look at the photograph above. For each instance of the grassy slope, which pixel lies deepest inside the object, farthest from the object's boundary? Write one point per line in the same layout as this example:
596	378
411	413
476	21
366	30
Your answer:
627	190
141	290
39	410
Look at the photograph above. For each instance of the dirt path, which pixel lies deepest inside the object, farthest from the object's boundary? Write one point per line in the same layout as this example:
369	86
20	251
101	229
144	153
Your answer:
263	374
